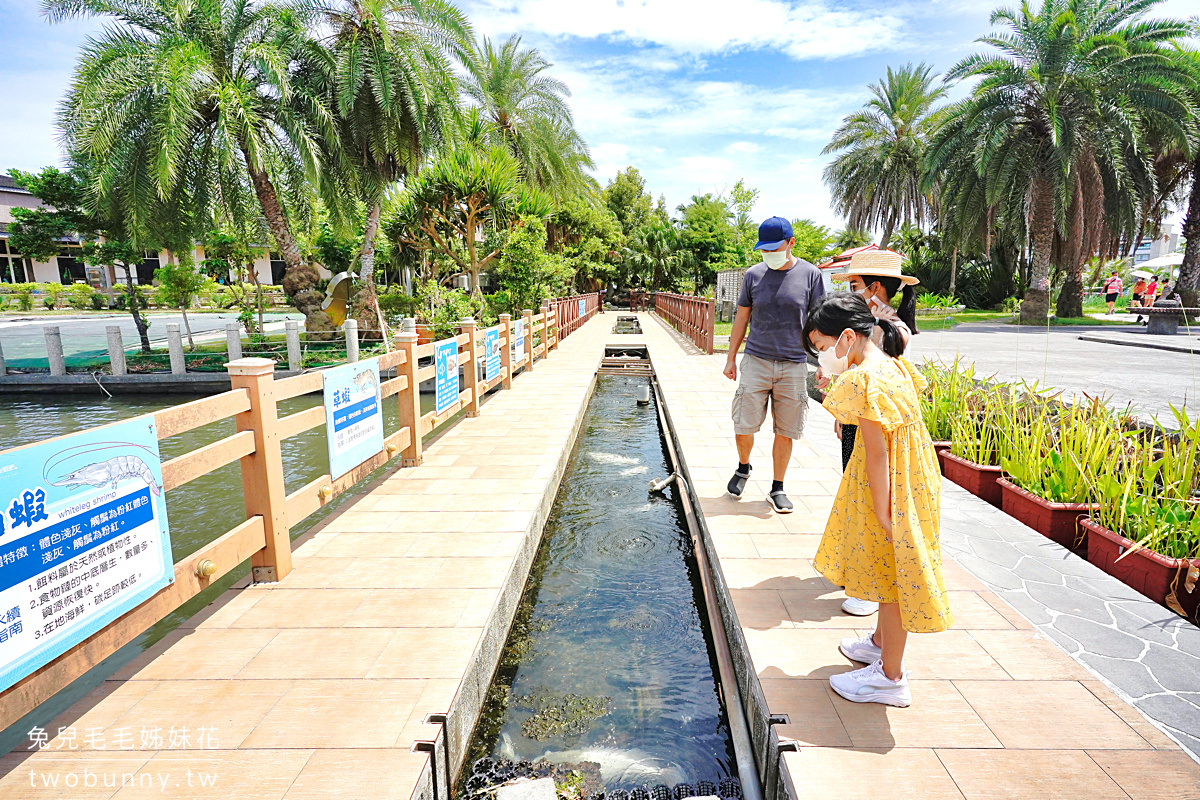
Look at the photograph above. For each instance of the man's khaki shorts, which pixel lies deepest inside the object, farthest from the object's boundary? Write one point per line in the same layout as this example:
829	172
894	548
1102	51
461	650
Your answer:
785	383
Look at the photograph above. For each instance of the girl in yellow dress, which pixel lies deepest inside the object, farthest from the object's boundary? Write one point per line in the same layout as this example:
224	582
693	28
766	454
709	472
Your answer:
882	541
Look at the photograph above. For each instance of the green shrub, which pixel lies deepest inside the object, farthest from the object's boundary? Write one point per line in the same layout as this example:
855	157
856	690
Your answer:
79	296
395	304
443	309
24	293
99	301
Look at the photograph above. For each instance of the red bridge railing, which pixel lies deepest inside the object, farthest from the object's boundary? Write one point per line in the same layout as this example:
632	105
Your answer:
694	317
569	314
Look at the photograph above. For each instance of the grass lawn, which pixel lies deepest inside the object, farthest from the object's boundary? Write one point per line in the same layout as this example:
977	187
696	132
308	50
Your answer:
940	323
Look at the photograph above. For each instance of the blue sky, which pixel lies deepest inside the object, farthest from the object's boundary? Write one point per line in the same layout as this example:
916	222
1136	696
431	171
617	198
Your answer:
695	93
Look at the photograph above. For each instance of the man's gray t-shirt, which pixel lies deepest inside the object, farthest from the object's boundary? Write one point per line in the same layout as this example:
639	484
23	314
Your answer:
779	300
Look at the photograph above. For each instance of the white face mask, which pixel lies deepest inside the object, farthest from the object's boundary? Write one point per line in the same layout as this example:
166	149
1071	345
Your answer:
831	363
777	259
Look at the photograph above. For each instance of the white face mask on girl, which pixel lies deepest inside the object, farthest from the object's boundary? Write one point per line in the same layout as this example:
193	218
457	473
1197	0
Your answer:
831	363
777	259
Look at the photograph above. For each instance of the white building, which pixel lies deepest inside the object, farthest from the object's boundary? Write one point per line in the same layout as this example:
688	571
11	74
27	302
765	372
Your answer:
67	267
1166	243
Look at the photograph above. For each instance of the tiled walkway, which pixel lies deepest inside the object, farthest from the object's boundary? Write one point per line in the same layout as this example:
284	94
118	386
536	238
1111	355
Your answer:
317	685
999	711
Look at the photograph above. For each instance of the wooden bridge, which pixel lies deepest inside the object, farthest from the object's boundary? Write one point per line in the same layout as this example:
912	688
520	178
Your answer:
314	675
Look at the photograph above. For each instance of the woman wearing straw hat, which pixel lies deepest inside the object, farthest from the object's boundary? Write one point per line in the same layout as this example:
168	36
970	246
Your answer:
876	276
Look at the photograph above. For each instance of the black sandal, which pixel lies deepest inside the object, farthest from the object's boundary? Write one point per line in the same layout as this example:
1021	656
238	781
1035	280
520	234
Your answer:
737	484
779	501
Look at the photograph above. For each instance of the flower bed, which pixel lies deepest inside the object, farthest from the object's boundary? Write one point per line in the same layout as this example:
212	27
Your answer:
1048	462
1059	522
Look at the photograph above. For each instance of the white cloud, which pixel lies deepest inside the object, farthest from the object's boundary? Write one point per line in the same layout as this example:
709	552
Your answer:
743	147
804	30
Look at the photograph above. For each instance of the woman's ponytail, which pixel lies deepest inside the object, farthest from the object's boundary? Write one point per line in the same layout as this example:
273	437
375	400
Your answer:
908	308
893	341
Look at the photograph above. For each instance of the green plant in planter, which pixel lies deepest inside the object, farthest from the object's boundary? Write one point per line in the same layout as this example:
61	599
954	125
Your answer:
945	396
975	432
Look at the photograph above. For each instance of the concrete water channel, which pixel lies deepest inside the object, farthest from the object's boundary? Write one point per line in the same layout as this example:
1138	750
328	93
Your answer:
401	604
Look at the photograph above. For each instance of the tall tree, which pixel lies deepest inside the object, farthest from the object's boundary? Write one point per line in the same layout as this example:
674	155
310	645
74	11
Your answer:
197	99
877	180
627	198
708	239
38	232
1051	125
524	108
450	204
1188	283
395	95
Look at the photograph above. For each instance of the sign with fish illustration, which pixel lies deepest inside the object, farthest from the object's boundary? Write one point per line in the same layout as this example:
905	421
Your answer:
83	540
445	356
353	415
491	345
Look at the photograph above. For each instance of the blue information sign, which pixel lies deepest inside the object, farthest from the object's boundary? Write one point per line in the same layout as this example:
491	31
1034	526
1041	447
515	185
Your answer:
519	346
445	356
491	343
582	308
83	539
353	417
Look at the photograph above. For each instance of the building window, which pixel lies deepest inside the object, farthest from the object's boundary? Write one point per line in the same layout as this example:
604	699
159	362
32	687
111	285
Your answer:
145	270
278	268
70	268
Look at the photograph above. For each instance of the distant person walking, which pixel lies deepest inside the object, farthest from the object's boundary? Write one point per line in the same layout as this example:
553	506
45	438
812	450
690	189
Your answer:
1151	292
1112	290
774	302
875	275
1136	294
882	538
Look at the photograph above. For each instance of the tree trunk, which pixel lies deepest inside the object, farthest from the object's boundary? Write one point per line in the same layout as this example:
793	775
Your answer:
474	258
887	233
134	298
1036	304
1189	271
365	307
300	279
187	326
1070	299
953	271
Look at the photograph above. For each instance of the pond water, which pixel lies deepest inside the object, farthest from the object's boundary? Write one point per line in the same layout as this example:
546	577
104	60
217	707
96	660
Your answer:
609	658
197	512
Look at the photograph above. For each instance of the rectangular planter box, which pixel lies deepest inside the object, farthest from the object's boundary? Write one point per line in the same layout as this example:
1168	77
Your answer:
940	447
979	480
1058	522
1142	570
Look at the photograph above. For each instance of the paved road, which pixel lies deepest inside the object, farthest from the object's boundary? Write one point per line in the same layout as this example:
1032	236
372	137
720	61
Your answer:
84	336
1150	380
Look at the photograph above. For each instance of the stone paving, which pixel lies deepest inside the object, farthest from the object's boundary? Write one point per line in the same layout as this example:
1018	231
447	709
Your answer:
999	710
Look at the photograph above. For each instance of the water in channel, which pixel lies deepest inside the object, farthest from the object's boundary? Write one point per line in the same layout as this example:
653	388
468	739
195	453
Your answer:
609	657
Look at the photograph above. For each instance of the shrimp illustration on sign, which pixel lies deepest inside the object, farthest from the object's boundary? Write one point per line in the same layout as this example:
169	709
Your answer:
365	382
110	471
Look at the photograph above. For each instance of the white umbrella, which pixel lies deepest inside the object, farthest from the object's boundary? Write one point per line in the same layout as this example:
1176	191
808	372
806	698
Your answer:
1169	260
1141	273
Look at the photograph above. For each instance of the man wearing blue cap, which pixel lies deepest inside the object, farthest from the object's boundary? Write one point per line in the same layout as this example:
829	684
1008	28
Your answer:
776	296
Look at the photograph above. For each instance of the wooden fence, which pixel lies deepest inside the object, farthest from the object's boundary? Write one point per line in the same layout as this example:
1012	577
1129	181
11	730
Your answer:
692	316
566	310
271	513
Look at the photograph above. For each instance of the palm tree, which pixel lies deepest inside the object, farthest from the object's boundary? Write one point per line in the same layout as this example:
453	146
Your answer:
1053	128
200	99
1188	283
394	93
877	180
448	206
525	109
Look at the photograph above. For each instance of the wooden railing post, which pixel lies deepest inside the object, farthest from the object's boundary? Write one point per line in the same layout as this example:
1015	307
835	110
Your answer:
546	340
528	315
710	326
506	365
262	470
410	400
471	371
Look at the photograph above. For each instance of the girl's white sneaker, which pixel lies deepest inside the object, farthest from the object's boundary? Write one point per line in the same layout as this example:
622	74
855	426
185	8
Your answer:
863	650
870	685
859	608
